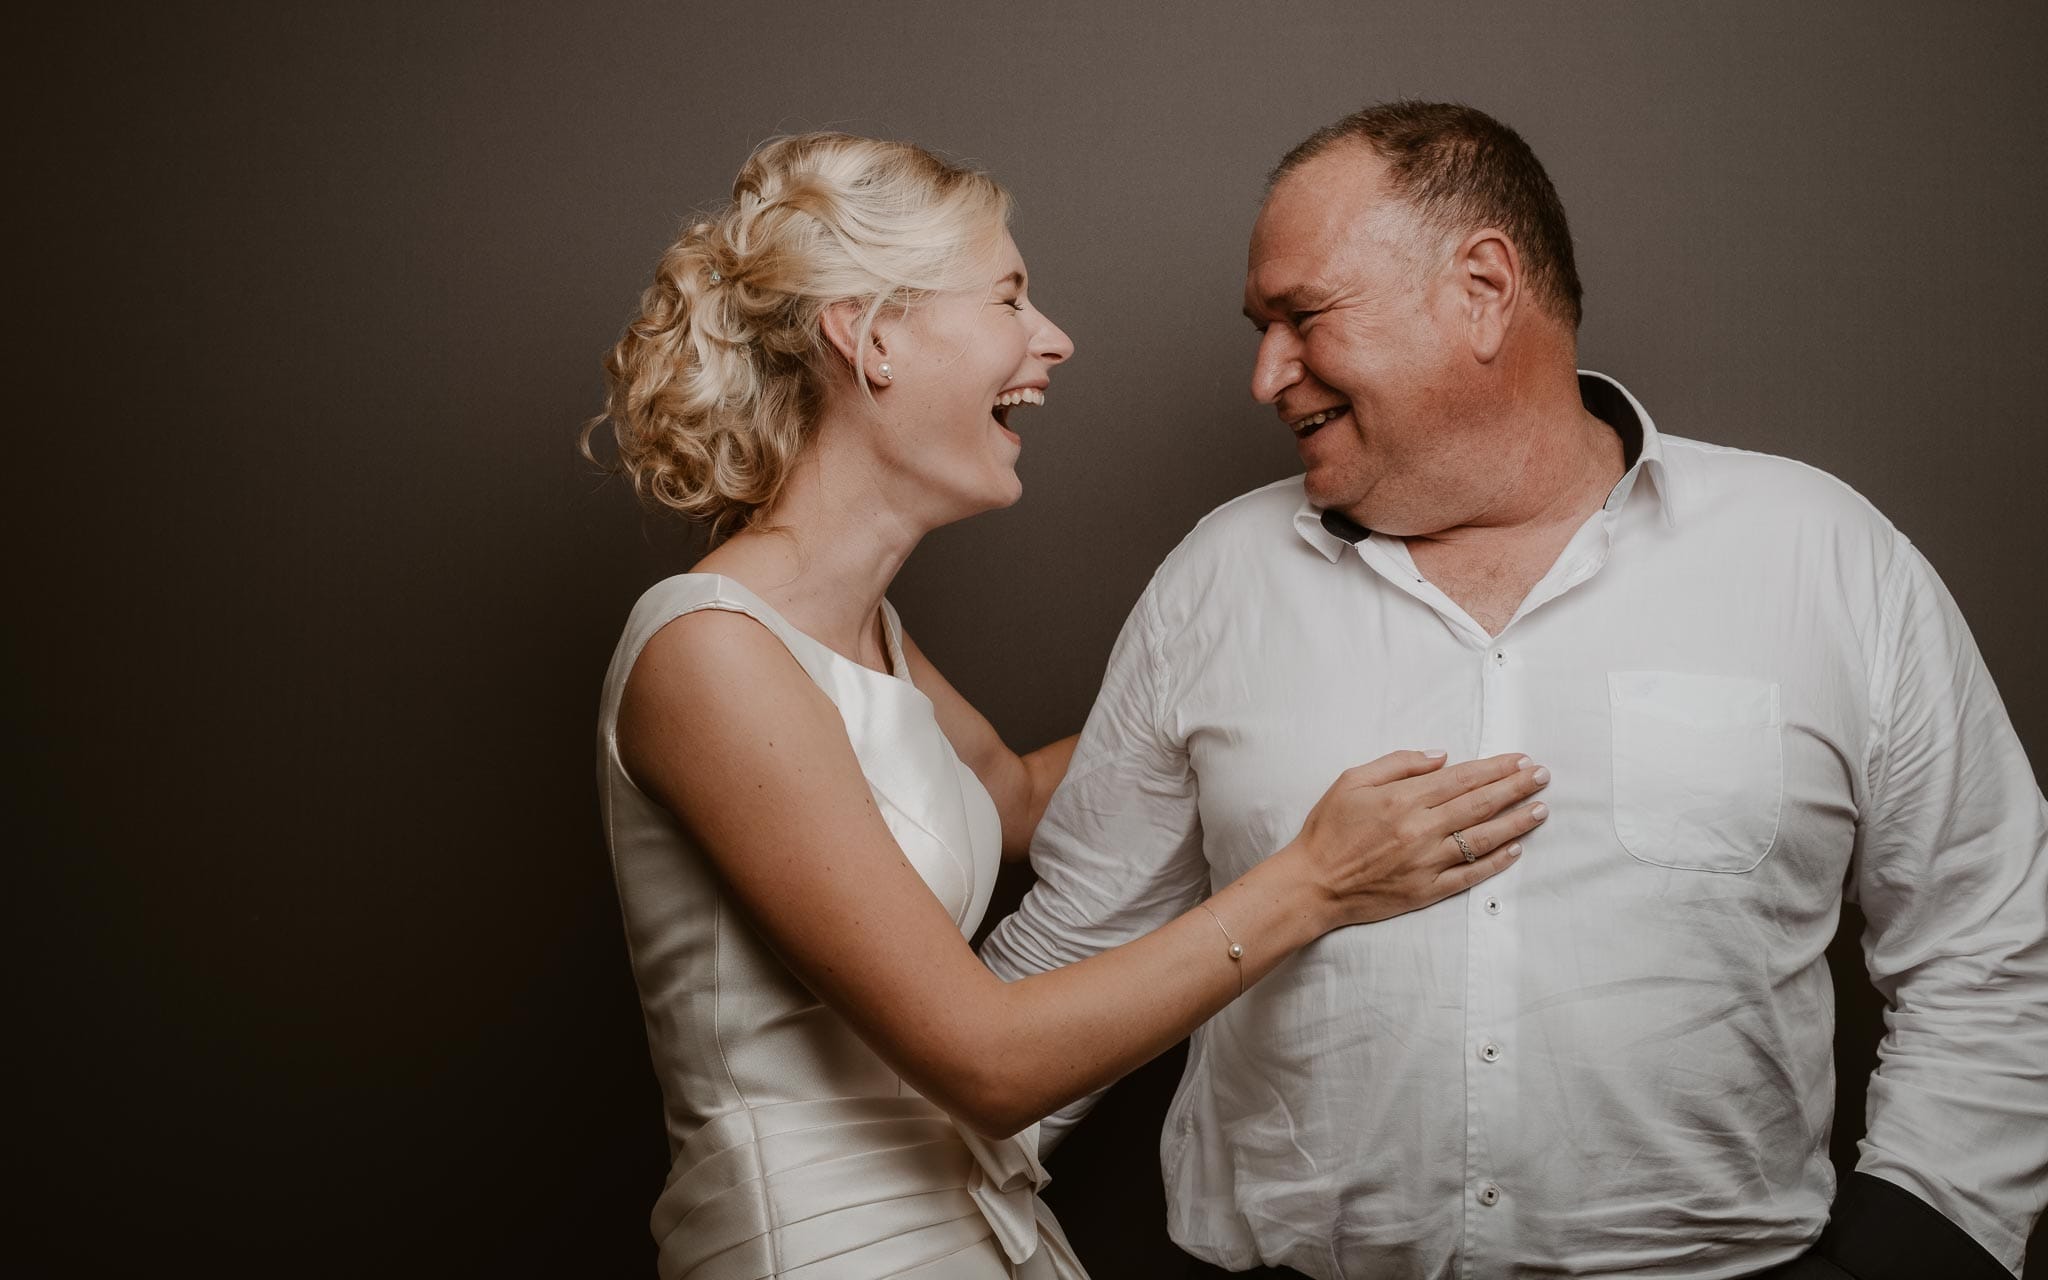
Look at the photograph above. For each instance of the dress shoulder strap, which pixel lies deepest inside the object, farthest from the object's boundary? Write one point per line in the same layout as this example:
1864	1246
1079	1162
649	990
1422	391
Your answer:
686	593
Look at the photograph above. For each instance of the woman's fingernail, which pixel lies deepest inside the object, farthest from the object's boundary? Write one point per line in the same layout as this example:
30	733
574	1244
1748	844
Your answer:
1540	777
1436	755
1539	811
1514	850
1524	763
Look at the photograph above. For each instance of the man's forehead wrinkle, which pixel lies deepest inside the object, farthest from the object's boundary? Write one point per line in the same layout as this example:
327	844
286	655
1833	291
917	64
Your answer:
1333	218
1282	282
1297	251
1329	270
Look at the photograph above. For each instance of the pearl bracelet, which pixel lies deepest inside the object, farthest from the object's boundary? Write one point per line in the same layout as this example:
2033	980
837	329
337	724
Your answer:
1235	950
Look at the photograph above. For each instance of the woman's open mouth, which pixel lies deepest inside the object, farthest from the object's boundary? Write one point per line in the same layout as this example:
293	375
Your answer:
1009	400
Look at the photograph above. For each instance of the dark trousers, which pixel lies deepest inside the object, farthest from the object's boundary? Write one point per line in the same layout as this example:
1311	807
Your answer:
1200	1270
1806	1268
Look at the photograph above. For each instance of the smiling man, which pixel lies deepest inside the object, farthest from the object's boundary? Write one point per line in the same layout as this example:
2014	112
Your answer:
1756	697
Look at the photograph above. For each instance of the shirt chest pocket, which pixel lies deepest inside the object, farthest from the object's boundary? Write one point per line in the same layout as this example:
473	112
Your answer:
1699	773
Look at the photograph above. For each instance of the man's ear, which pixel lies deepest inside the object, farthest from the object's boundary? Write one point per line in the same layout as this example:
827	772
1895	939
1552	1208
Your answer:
1489	279
839	321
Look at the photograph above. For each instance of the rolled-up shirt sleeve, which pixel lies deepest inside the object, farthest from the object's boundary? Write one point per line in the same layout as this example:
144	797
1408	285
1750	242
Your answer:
1119	850
1951	871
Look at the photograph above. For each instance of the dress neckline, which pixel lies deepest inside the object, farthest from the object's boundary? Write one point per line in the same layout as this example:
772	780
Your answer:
892	631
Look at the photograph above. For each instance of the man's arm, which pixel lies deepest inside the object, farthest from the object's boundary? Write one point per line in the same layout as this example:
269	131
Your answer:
1020	785
1951	870
1118	851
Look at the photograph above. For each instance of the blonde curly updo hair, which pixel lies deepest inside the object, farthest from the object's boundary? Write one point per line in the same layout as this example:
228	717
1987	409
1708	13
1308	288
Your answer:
716	386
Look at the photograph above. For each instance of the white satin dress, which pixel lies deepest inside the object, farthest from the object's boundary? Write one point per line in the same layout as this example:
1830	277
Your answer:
799	1153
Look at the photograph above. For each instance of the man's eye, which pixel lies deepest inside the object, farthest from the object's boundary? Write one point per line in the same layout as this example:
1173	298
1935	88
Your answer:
1300	318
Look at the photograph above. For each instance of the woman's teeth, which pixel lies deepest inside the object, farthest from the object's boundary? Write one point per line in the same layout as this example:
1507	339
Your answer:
1022	395
1318	419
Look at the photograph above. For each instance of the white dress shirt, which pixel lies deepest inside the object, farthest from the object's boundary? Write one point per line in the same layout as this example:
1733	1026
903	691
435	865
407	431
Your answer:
1616	1058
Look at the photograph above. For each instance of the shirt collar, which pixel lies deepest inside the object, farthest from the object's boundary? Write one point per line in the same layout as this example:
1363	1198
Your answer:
1332	532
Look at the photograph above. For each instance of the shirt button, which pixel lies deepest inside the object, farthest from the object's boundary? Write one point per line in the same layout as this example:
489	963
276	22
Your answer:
1489	1194
1493	906
1489	1052
1500	657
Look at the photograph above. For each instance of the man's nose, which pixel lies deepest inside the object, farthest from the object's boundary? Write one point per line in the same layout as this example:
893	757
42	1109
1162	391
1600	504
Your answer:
1278	365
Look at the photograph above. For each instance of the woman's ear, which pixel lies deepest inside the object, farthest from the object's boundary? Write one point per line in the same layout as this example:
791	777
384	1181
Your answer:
839	322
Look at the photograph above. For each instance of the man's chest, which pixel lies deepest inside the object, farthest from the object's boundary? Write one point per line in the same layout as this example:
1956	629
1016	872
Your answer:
1489	584
1710	736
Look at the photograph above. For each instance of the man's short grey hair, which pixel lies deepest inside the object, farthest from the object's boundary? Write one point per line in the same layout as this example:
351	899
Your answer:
1461	170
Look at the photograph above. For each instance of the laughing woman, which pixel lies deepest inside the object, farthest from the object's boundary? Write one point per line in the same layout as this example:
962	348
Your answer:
806	819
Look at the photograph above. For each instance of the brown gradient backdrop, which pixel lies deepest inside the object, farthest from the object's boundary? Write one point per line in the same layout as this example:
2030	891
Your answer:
320	968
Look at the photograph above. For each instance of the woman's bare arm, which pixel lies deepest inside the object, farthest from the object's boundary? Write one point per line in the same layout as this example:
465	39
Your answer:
721	726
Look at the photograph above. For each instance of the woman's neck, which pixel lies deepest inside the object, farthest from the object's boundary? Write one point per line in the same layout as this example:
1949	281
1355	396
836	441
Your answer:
825	555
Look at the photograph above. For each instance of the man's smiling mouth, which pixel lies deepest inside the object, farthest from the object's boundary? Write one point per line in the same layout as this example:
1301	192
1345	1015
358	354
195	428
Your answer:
1306	427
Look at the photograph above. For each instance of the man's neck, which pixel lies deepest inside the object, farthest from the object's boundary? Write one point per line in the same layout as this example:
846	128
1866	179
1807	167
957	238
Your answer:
1557	471
1488	562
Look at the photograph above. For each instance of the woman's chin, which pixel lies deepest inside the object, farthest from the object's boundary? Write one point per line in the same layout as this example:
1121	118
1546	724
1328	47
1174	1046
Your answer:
1001	493
1004	494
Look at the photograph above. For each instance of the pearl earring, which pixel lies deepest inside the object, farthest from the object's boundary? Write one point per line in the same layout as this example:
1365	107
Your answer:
886	375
